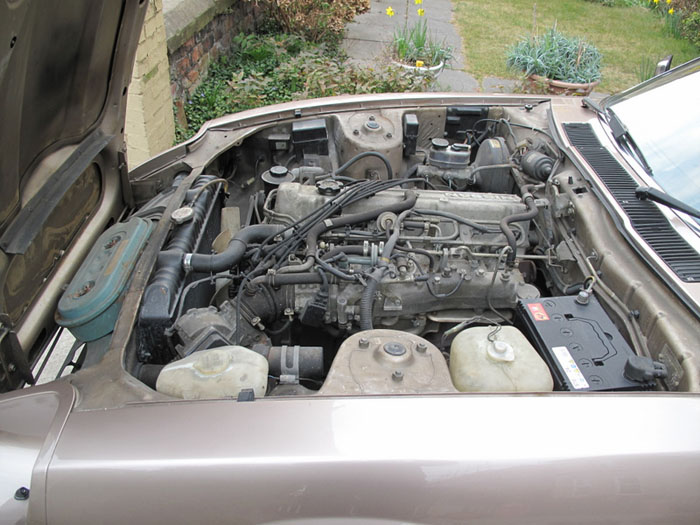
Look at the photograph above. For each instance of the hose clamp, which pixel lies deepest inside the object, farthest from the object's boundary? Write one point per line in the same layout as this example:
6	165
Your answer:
187	262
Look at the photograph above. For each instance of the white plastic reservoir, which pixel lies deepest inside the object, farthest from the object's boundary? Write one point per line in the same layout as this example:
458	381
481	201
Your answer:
506	363
215	373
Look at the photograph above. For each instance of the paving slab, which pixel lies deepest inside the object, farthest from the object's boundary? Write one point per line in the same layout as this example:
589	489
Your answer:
367	38
455	80
500	85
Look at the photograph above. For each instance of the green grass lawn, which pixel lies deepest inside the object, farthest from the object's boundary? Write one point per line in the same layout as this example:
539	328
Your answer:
626	36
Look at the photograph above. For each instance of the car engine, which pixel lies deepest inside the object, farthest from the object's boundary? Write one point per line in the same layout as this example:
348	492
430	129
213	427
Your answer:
380	252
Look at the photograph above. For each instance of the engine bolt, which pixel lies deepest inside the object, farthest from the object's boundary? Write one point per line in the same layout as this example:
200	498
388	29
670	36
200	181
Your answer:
355	131
22	494
397	375
421	347
363	342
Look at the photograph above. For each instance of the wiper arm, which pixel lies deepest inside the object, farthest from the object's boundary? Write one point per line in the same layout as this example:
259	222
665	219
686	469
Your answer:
619	131
652	194
588	102
623	137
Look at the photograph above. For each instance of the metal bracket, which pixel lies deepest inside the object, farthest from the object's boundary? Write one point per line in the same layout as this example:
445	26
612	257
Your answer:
289	365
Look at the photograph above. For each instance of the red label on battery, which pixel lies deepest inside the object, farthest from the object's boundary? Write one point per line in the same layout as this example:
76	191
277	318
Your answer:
538	312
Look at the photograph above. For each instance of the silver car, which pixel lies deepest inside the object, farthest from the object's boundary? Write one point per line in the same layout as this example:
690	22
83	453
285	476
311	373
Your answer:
412	308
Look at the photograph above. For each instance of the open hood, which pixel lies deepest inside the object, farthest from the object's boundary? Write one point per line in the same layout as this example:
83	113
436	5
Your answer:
64	72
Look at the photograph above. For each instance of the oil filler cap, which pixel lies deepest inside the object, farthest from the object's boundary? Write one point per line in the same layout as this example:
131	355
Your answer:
329	187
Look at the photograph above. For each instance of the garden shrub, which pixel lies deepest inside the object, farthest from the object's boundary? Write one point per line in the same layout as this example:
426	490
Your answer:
315	20
682	18
266	70
690	28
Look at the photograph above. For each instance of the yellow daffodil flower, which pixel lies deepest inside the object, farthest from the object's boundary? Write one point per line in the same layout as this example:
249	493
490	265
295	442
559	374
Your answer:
418	2
671	11
656	1
390	11
419	63
421	12
668	1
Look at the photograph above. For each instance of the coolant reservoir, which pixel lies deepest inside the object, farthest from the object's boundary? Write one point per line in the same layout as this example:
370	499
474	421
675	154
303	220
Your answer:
506	363
215	373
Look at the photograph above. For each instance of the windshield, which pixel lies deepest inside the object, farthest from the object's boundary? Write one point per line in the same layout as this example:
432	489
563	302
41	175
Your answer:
663	118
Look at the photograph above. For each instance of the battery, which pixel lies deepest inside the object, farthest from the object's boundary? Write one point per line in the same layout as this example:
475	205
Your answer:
579	342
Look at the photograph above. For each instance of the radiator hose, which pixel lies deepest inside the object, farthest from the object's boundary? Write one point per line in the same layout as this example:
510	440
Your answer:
233	253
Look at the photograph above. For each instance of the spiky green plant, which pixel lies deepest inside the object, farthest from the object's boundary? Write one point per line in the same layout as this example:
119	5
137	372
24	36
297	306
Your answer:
414	43
556	56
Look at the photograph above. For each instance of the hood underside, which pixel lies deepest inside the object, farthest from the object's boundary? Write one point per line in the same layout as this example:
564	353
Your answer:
64	72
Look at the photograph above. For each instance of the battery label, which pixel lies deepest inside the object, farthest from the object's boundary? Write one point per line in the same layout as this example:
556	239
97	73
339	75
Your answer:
570	367
538	312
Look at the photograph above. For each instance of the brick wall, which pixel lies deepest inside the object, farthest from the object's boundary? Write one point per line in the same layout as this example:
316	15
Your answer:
150	126
197	39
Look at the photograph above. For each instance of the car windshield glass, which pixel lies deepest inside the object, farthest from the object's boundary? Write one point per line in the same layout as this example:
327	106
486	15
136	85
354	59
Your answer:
664	122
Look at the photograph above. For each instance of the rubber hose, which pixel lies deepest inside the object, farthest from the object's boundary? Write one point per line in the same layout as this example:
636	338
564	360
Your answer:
387	164
234	252
148	374
505	223
394	237
411	172
367	299
288	278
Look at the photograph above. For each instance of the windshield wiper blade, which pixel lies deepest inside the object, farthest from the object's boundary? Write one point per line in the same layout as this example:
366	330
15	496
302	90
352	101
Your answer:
652	194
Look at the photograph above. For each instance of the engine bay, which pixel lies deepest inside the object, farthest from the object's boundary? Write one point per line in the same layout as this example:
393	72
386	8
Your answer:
421	250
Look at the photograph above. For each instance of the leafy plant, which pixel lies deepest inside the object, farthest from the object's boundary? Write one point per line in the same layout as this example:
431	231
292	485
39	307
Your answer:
672	20
691	28
681	18
414	44
556	56
315	20
266	70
